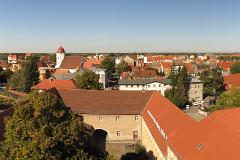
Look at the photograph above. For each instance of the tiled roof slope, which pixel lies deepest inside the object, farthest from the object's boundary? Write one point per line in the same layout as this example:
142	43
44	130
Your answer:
216	137
72	62
55	83
232	81
105	102
170	119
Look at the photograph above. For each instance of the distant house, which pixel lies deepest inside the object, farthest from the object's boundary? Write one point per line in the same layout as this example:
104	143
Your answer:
160	85
232	81
144	74
195	92
15	58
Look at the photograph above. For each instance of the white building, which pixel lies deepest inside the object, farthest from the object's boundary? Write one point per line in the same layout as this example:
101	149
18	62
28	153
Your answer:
59	56
102	75
160	85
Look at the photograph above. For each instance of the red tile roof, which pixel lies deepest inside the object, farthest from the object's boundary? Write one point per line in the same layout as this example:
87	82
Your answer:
226	65
61	71
104	101
55	83
60	50
167	65
72	62
91	63
216	137
144	74
4	64
170	119
232	81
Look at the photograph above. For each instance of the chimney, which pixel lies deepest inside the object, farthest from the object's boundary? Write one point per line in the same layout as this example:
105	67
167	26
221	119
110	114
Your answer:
50	79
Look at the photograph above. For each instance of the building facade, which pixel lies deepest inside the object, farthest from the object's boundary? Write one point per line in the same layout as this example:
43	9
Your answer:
144	85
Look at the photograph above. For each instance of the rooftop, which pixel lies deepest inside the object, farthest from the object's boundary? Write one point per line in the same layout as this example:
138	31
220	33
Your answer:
105	102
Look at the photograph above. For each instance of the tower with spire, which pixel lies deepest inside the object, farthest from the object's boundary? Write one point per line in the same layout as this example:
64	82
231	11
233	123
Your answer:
59	56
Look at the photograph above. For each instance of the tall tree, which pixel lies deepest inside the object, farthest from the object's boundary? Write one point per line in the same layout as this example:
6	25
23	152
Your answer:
42	127
109	64
235	68
88	80
178	94
213	82
25	78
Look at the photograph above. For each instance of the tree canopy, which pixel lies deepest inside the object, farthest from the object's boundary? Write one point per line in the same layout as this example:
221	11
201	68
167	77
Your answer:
25	78
235	68
122	67
88	80
42	127
109	64
213	82
5	75
178	94
229	99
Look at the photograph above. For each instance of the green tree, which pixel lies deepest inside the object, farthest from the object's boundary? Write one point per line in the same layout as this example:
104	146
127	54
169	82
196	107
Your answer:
109	64
235	68
213	82
88	80
25	78
178	94
122	67
42	127
5	75
229	99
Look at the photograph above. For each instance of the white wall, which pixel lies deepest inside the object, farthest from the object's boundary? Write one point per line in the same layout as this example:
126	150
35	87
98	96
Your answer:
155	86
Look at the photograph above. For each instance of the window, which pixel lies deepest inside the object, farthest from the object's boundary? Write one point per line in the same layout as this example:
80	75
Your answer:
118	133
154	85
100	118
117	118
142	85
131	86
137	86
135	134
159	85
148	85
126	86
136	118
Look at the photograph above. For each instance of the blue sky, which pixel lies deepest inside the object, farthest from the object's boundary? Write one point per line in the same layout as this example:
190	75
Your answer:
120	25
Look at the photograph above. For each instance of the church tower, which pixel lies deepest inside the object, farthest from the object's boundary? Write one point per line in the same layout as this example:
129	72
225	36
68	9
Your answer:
59	56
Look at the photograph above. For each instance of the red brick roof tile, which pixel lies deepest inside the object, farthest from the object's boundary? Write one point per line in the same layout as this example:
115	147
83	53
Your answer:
55	83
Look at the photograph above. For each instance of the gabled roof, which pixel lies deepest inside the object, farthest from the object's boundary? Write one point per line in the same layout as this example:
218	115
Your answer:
105	102
55	83
72	62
